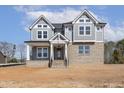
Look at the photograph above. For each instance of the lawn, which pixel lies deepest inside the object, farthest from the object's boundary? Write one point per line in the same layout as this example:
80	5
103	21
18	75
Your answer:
83	75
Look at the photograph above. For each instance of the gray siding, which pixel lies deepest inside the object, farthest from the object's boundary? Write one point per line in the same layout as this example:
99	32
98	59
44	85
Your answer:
35	29
68	34
99	36
76	32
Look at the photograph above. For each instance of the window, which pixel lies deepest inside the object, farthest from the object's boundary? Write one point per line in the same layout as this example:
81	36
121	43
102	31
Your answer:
42	52
87	49
87	20
44	34
81	20
84	49
81	49
39	25
45	54
87	30
98	28
81	30
39	51
39	34
44	26
69	28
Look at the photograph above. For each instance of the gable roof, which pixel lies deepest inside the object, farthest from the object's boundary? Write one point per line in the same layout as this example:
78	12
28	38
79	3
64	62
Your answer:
42	17
86	12
58	34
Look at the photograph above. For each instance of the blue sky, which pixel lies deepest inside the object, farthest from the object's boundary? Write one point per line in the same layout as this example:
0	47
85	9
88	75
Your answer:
14	20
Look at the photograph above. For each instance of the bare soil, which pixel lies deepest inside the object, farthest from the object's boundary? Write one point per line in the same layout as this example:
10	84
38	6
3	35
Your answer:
83	75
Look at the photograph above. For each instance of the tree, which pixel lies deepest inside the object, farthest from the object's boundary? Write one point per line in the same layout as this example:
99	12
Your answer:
8	49
21	49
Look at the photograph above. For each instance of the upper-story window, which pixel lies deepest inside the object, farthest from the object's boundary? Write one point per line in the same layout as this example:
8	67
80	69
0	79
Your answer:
39	34
69	28
39	25
81	20
84	30
87	20
87	30
42	34
44	26
81	30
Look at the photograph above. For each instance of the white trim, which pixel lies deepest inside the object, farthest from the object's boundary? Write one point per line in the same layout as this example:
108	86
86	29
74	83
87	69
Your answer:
84	30
59	35
42	35
28	52
88	13
42	52
40	19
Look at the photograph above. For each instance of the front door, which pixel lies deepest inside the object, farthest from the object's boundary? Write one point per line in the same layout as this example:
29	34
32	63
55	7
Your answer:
58	53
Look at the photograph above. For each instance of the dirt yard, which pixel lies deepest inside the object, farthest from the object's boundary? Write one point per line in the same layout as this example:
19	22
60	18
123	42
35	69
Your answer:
85	75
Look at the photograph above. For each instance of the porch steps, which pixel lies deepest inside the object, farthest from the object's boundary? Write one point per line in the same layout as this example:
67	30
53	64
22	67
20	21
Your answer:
58	64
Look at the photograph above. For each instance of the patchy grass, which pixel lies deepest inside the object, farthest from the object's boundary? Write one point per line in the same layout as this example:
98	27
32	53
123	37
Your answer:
79	75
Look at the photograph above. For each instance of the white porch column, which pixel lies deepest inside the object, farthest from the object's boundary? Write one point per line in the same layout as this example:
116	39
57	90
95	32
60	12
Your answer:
66	52
51	52
28	52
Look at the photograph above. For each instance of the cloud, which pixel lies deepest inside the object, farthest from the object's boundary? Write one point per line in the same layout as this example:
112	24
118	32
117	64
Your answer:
114	33
66	14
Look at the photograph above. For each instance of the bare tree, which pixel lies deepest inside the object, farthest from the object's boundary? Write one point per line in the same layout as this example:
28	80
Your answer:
8	49
21	49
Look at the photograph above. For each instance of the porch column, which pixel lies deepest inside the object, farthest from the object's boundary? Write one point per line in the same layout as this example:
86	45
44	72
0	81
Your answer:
51	51
66	52
28	52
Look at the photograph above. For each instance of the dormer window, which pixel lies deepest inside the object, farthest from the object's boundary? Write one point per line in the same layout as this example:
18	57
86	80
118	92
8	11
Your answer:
87	30
39	25
98	28
44	26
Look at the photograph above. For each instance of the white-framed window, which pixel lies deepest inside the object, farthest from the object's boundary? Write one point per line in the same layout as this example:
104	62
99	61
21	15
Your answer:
39	25
39	34
69	28
42	52
42	34
81	20
44	26
87	20
85	30
84	49
81	30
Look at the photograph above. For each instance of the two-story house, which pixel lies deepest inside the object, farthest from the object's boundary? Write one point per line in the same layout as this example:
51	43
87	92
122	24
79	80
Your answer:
78	41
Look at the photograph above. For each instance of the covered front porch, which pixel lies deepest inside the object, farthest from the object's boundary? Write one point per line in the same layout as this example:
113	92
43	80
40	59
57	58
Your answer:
58	49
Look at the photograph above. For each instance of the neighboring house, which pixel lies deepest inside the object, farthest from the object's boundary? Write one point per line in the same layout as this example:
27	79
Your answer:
3	58
81	40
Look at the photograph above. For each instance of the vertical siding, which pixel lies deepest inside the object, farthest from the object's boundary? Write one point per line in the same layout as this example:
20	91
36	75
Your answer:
68	34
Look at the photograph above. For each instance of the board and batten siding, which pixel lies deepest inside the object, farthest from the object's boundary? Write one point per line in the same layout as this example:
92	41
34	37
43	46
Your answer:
68	33
50	32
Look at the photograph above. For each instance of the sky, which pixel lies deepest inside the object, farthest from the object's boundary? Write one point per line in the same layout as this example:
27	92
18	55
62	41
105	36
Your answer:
15	20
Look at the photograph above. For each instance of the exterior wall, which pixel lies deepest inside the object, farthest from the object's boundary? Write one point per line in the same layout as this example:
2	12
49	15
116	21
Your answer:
96	53
76	35
2	59
100	34
37	63
35	29
68	33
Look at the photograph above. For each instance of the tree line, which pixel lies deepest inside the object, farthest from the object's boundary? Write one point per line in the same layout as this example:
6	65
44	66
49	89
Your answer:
114	52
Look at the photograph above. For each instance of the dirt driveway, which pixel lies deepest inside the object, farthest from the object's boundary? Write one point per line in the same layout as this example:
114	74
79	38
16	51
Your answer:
85	75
